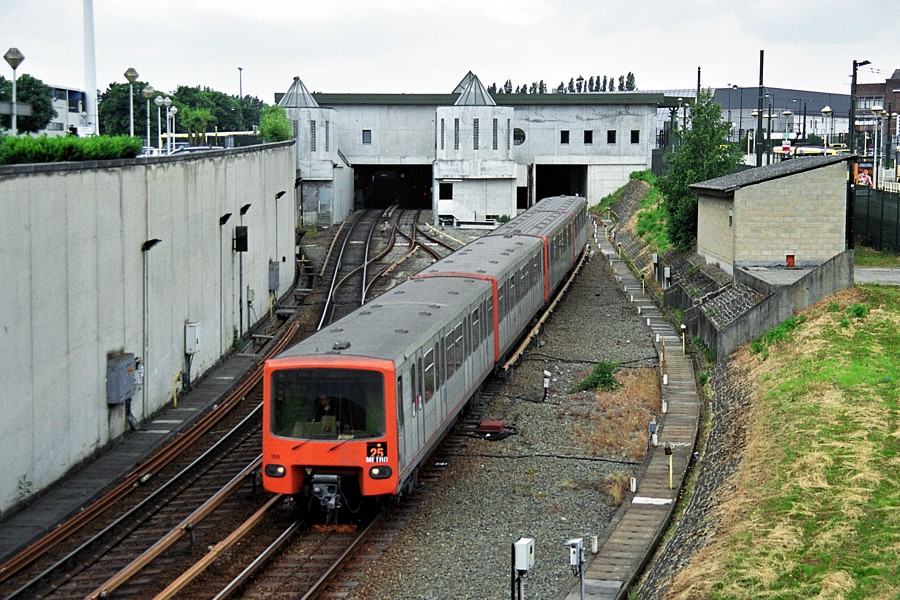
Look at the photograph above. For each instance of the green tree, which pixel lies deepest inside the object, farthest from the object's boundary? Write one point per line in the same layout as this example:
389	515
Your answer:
32	91
571	87
603	85
197	122
702	152
274	125
629	82
621	83
114	116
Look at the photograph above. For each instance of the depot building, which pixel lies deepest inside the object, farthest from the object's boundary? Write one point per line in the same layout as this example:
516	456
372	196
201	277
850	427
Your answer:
468	156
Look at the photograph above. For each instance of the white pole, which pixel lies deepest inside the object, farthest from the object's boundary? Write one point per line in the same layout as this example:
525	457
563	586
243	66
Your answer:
90	67
14	129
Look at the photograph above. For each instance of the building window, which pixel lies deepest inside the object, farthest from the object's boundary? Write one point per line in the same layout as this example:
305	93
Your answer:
327	136
518	137
588	136
442	134
495	134
367	136
446	191
610	136
475	134
456	134
508	132
564	136
635	136
296	125
312	136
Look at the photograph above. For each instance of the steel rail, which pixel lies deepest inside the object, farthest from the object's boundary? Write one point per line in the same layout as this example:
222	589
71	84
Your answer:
130	514
182	529
337	268
254	567
332	570
209	558
143	471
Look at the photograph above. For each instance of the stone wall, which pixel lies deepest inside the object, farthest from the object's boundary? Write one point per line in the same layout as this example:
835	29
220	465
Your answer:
83	279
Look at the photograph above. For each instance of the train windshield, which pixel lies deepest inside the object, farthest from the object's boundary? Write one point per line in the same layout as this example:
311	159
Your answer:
327	404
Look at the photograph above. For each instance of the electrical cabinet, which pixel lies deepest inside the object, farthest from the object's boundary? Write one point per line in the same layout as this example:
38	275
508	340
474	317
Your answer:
120	380
191	337
524	554
273	277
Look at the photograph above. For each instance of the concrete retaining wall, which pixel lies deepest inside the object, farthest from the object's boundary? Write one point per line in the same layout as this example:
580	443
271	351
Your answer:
783	302
75	280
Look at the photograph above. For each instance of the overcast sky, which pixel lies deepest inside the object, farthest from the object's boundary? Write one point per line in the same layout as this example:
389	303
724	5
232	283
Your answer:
422	46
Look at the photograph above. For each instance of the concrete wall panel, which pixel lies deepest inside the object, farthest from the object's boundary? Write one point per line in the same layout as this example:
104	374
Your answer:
79	276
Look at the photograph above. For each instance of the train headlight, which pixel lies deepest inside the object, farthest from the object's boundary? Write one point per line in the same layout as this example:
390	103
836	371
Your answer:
275	471
380	472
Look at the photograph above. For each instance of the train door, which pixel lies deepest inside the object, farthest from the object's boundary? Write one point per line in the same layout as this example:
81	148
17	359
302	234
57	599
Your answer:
431	404
402	413
417	422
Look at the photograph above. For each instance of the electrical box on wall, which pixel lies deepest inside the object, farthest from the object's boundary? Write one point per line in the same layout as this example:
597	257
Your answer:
240	238
273	277
191	337
120	381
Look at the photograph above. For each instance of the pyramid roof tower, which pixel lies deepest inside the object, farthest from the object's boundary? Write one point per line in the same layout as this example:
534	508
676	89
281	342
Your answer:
298	96
473	92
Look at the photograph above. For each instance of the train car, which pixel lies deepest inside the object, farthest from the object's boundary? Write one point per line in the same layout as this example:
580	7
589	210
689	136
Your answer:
352	411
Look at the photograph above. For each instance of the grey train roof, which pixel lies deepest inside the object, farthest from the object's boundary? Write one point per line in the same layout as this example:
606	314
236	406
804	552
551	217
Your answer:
471	257
406	316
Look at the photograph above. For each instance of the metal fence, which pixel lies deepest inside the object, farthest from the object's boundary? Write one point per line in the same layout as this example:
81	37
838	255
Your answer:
876	219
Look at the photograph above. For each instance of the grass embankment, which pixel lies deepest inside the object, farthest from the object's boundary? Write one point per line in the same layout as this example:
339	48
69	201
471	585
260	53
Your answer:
649	222
816	509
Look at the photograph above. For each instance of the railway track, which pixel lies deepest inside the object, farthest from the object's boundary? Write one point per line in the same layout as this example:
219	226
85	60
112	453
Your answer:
148	483
172	509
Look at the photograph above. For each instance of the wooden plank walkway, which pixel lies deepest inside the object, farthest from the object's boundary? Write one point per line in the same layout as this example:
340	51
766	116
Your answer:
641	520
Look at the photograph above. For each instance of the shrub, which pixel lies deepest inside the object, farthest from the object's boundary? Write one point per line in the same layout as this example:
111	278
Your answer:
44	149
602	378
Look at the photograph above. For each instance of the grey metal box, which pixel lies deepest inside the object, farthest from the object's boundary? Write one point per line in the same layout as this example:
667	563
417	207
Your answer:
120	383
273	276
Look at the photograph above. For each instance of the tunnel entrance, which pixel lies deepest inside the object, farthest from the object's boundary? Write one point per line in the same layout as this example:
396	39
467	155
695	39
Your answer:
379	186
560	180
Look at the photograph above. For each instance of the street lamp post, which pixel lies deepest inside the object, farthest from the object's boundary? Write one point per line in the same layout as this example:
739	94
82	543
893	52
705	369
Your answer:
826	112
877	111
242	212
159	101
167	102
222	221
148	92
851	137
131	75
14	58
171	141
145	342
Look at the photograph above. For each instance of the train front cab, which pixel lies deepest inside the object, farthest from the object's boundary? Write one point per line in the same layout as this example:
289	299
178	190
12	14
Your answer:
331	420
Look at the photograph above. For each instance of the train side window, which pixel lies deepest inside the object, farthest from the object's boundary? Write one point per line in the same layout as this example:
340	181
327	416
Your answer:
428	378
489	320
501	302
512	290
458	341
467	335
451	352
476	327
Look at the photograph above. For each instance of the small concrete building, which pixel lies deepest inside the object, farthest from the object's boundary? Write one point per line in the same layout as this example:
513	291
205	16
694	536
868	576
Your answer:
793	213
466	155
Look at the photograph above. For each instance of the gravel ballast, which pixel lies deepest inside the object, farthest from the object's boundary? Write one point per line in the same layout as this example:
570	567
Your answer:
542	483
